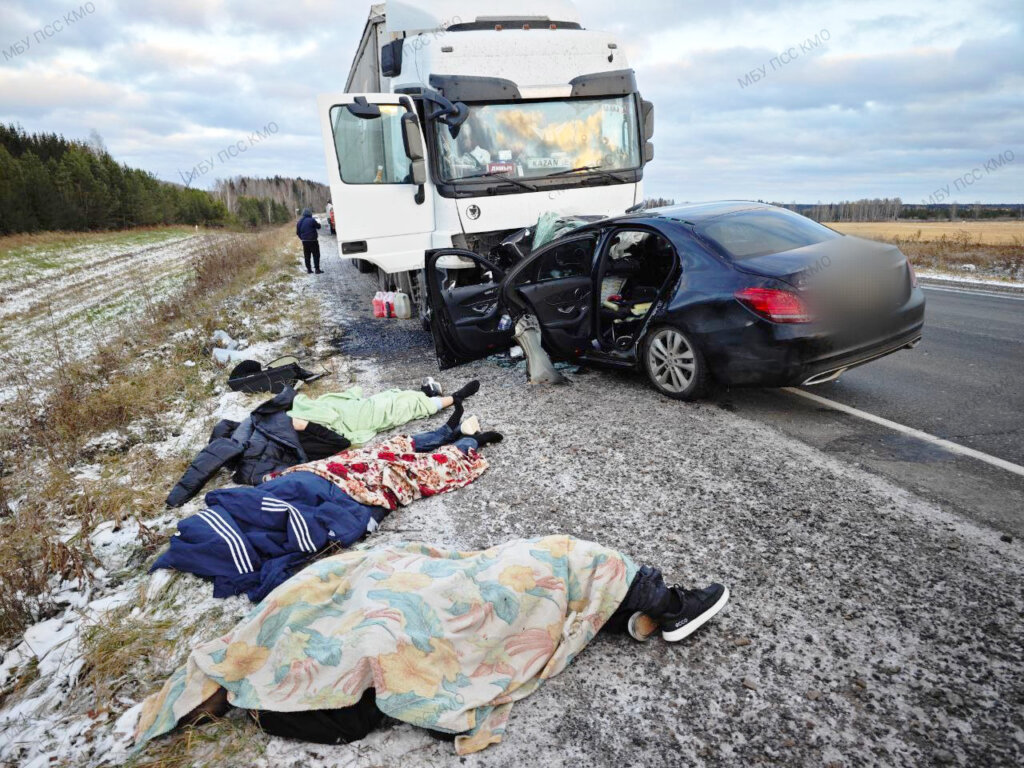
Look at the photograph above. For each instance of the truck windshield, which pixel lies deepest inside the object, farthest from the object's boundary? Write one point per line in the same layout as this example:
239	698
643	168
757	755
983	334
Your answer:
530	140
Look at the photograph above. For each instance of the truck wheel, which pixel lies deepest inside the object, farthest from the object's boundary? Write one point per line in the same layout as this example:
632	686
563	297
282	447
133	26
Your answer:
675	365
364	266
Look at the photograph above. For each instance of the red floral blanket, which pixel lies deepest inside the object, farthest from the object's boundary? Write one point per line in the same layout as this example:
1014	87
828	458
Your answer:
391	474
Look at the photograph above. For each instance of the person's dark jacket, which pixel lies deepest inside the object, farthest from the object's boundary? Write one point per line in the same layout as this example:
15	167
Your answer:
265	442
307	228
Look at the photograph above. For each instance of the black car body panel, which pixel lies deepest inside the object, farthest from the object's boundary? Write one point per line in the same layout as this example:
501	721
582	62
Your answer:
861	294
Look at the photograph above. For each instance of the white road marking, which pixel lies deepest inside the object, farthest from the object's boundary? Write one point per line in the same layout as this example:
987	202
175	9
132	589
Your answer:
974	292
963	450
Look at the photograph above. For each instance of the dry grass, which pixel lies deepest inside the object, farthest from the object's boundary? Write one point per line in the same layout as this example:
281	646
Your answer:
991	249
963	232
117	649
228	741
133	378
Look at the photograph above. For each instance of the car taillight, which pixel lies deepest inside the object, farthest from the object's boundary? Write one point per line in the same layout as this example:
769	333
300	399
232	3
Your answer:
913	274
775	305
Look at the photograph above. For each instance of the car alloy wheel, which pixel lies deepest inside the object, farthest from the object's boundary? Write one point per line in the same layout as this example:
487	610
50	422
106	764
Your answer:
674	365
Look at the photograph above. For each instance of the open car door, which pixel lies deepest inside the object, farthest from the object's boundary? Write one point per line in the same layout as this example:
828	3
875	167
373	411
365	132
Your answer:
376	165
557	286
466	312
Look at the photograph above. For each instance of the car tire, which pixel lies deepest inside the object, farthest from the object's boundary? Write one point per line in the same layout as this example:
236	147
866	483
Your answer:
364	266
674	364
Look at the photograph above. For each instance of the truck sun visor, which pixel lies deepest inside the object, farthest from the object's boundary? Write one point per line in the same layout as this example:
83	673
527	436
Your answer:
472	88
621	82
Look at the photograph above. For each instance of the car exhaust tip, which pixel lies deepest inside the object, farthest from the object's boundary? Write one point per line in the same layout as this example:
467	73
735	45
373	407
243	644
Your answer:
824	378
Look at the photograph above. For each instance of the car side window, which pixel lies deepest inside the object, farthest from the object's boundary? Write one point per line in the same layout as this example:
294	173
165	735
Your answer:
574	258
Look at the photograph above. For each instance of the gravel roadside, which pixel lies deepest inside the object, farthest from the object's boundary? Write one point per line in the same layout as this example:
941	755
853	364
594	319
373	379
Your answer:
866	627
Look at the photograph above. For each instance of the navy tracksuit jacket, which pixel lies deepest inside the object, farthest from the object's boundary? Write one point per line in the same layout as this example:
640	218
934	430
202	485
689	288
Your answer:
252	539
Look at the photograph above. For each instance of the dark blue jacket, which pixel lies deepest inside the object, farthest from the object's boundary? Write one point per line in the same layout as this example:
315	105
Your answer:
307	228
252	539
265	442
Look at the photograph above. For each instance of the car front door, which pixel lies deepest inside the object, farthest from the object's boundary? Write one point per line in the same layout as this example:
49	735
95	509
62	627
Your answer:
557	285
467	317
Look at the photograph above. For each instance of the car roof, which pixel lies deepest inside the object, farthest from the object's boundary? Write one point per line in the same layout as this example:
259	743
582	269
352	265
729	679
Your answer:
695	213
689	214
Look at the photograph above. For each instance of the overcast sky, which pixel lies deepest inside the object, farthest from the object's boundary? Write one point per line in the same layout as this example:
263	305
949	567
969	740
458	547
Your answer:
902	100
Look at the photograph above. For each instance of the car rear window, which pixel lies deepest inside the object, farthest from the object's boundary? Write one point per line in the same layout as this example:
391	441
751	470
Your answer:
749	234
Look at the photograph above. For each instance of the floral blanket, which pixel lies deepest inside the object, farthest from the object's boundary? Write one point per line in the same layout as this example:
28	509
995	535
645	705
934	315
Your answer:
449	640
391	474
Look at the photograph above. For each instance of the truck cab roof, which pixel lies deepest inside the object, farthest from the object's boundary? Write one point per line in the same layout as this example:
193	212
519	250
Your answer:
411	17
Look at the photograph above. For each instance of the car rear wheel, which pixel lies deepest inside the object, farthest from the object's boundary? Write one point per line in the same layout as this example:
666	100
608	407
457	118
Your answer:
674	364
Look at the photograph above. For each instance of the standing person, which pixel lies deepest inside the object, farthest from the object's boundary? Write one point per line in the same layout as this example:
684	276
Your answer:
306	230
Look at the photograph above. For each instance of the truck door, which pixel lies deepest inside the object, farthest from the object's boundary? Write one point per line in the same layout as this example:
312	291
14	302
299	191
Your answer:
464	291
376	165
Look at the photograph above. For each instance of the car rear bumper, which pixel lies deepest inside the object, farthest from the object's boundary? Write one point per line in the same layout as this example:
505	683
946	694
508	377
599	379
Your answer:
761	353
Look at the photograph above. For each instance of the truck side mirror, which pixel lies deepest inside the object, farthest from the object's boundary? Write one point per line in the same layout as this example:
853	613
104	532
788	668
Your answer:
647	110
413	140
648	152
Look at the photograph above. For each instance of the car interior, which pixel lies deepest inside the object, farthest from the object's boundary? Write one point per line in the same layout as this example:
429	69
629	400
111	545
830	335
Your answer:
636	266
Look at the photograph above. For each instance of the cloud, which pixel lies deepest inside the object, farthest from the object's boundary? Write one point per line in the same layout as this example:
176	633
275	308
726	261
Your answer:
896	102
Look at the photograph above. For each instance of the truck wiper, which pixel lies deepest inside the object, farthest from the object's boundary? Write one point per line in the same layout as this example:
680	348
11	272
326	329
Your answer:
503	177
585	168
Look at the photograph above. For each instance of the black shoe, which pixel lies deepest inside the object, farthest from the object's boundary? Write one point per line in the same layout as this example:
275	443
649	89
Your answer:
431	388
486	438
309	271
467	391
698	606
319	271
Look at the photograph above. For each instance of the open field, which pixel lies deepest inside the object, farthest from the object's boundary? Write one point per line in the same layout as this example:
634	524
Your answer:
966	232
61	296
989	249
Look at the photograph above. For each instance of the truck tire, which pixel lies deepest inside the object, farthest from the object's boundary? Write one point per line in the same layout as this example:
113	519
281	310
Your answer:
364	266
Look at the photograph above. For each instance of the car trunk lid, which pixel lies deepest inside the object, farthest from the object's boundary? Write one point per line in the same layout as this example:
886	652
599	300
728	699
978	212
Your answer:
842	277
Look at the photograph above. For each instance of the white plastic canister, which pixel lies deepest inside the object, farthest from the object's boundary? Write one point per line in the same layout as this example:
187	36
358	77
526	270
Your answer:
403	305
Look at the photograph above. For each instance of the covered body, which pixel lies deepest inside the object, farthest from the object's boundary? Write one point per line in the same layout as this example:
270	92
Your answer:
449	640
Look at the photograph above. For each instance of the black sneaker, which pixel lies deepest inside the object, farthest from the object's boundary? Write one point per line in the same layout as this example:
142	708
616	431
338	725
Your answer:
430	387
699	605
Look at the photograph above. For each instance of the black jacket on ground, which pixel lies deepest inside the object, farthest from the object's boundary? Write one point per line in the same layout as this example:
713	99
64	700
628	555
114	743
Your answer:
265	442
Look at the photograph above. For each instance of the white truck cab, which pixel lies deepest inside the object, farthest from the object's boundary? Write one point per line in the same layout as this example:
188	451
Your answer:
464	121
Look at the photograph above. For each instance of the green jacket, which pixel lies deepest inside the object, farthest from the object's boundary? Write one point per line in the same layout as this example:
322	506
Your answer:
359	419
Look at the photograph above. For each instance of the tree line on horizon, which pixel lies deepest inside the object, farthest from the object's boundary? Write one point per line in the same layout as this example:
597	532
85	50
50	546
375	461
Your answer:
891	209
48	182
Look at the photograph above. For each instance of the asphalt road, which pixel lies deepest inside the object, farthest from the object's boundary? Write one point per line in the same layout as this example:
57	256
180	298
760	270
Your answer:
963	383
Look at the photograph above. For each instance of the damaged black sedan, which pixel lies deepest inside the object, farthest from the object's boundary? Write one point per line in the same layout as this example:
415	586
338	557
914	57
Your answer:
733	293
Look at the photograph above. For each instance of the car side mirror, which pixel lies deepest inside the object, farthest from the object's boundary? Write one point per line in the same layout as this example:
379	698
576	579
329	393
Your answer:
413	140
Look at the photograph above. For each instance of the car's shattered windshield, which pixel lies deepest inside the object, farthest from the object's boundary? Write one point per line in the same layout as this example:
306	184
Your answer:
536	139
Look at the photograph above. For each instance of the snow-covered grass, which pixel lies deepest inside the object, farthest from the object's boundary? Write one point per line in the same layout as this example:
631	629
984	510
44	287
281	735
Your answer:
89	457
